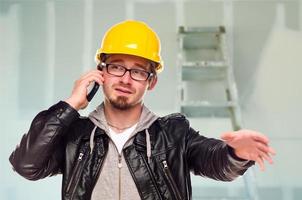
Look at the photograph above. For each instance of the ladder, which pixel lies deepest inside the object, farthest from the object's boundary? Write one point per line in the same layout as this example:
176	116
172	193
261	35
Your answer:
204	66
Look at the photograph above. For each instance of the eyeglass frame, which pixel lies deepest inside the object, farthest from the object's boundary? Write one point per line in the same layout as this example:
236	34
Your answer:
102	65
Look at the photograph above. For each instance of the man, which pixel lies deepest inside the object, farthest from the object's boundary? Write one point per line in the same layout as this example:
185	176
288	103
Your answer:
123	150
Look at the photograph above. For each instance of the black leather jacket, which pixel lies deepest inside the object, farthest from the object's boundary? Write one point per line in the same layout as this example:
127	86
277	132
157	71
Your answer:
58	142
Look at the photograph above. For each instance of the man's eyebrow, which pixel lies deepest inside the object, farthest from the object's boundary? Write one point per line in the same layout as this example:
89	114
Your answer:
135	64
140	65
117	60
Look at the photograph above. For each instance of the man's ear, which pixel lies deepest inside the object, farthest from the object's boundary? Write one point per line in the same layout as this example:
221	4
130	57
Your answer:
152	83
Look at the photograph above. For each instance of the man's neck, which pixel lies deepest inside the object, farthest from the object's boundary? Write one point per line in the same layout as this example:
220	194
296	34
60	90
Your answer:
122	118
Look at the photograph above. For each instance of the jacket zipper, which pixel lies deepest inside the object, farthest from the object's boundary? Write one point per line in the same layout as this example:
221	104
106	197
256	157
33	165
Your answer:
171	180
74	180
152	177
119	165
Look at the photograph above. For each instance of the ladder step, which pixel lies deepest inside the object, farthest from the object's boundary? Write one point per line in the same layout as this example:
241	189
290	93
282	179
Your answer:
209	64
194	71
206	109
198	112
201	42
213	29
195	38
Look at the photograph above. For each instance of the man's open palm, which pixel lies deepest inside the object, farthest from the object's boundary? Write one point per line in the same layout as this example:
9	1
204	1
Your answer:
250	145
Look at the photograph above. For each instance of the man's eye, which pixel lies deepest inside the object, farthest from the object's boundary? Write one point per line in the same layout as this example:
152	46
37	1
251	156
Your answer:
134	71
116	67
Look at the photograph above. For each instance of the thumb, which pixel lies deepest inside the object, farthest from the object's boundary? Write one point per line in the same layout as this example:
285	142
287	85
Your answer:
227	136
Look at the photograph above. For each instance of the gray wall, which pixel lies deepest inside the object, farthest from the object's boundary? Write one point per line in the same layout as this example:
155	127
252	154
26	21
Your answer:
46	45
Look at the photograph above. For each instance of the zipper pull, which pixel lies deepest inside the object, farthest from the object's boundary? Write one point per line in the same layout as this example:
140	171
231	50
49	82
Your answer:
119	165
165	164
81	156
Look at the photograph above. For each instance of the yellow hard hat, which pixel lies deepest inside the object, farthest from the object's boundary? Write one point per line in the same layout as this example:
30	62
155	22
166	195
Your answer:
133	38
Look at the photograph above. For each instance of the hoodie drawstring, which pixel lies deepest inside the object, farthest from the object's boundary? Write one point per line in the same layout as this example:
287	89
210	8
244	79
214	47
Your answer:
91	143
148	146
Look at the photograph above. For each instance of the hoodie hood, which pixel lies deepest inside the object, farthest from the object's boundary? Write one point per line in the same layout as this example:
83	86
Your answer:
145	121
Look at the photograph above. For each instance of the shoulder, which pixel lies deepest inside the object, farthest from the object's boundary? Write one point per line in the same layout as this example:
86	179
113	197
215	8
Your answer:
174	124
174	119
81	123
80	128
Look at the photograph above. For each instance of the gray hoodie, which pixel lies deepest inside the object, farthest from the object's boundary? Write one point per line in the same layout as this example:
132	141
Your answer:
115	181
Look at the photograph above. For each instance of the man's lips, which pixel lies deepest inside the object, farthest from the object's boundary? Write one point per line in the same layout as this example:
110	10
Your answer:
123	90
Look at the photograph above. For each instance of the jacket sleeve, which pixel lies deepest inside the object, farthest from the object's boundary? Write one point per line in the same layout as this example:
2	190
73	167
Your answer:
41	151
213	158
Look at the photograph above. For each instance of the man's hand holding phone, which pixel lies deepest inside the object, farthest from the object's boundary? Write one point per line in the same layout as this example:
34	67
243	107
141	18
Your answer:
79	98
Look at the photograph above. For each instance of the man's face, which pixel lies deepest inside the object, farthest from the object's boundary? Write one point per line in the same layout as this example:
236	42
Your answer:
124	92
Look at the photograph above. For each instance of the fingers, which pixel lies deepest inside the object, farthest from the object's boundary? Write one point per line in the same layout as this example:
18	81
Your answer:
266	156
264	153
260	162
92	76
272	151
266	148
78	98
260	138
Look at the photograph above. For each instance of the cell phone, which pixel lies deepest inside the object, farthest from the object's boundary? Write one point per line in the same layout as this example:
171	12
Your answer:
92	92
96	86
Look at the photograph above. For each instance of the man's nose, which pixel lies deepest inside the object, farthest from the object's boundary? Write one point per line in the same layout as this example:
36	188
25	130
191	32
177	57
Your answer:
126	78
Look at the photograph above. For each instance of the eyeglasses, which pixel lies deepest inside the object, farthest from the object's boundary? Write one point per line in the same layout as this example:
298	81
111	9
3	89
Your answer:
120	70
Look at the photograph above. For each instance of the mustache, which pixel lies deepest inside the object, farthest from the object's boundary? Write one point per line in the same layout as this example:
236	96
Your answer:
125	86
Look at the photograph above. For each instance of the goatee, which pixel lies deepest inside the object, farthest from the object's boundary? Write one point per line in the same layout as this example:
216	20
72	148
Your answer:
120	103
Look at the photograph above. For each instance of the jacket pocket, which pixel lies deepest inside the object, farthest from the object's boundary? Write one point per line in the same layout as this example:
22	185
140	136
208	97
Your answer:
170	180
75	175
